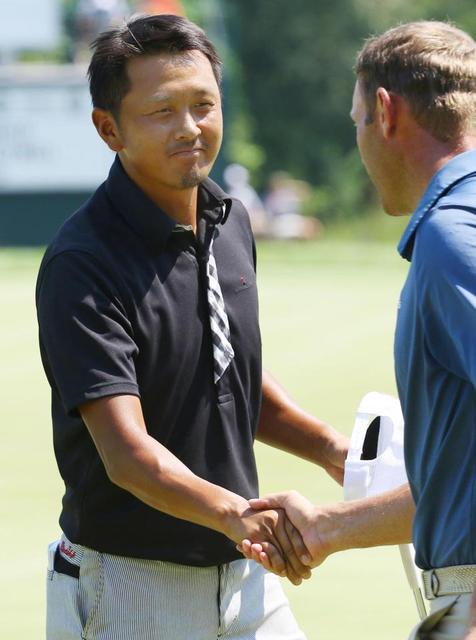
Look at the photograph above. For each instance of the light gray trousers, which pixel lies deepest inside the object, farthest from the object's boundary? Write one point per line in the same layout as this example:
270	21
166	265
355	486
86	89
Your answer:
448	619
119	598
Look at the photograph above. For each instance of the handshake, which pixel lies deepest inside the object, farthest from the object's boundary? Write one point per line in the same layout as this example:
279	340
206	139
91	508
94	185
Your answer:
284	533
289	536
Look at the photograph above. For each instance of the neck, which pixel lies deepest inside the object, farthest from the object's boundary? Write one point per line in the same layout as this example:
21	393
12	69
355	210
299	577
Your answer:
425	156
178	204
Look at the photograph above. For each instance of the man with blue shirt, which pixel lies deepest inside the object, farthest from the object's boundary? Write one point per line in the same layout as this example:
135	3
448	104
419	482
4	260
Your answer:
414	109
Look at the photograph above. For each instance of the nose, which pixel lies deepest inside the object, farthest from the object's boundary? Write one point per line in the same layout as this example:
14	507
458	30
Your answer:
187	128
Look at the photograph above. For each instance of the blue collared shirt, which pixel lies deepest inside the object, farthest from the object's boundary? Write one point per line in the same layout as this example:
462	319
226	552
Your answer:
435	360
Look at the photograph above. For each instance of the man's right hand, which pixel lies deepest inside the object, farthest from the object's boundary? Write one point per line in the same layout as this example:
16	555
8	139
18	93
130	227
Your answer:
368	522
286	552
304	516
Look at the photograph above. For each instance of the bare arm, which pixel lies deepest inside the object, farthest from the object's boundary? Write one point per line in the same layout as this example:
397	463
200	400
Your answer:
139	464
379	520
283	424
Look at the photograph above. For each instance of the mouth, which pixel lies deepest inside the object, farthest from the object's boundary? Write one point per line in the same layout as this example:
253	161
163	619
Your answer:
188	153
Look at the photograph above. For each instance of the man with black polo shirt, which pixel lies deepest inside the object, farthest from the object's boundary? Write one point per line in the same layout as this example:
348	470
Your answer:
149	336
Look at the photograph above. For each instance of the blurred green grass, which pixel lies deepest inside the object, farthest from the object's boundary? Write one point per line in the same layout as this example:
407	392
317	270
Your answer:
327	314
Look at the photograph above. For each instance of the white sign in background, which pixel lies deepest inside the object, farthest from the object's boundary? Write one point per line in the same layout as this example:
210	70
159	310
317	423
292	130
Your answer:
48	141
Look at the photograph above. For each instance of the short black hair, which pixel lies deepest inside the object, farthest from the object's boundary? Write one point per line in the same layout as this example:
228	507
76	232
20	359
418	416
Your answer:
141	36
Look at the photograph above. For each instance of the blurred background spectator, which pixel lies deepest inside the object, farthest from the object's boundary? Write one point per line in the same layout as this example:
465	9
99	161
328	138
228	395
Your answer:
236	178
284	202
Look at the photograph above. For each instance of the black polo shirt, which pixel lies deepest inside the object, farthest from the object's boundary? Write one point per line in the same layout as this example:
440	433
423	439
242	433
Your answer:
122	309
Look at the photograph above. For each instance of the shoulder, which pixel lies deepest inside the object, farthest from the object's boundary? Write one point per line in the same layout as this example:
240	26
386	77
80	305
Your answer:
445	250
78	250
239	216
448	234
83	228
89	230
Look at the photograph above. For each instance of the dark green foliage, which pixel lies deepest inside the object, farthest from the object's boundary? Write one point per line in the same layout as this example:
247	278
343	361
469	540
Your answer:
295	61
297	71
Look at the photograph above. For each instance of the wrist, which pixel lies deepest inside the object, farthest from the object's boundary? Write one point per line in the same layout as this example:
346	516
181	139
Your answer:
335	446
229	512
330	526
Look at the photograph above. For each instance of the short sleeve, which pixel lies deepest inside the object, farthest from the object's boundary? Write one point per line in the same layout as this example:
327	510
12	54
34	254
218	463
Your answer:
86	339
446	258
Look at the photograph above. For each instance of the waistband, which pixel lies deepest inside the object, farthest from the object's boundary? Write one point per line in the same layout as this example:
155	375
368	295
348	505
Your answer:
69	551
67	557
449	580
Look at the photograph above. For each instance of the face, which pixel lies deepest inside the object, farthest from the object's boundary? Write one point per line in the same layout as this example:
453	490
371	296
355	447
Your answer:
169	127
376	152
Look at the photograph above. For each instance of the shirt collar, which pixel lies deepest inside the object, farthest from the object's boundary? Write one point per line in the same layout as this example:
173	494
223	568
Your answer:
452	172
147	219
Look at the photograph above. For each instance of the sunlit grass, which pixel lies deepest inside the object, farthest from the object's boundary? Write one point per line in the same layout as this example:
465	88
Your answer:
327	314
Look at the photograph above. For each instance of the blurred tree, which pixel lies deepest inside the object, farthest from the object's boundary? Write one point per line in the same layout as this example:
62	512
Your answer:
295	60
297	69
193	11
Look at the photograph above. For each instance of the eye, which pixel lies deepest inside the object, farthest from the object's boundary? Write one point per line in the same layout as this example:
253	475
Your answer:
205	105
163	111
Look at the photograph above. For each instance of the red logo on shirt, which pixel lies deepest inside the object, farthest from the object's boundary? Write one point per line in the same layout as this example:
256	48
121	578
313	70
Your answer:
67	550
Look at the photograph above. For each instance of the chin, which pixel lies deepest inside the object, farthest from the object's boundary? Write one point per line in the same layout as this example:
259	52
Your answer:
194	177
390	208
395	210
390	211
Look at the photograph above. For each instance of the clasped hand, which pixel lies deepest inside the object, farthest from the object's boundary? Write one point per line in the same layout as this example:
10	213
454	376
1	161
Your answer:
278	539
297	543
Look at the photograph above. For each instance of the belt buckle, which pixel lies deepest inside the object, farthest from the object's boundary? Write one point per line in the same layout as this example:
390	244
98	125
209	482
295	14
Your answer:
434	583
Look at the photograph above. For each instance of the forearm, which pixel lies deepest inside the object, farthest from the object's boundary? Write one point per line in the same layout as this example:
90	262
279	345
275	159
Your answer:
284	425
385	519
370	522
158	478
141	465
155	476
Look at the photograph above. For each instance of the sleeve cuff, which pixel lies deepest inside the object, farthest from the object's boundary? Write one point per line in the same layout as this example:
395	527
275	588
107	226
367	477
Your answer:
100	391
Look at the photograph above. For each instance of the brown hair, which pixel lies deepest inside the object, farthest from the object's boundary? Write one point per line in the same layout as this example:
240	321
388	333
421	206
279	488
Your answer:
430	64
141	36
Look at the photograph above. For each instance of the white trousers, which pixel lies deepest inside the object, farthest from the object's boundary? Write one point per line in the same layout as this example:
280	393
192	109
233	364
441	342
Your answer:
120	598
448	619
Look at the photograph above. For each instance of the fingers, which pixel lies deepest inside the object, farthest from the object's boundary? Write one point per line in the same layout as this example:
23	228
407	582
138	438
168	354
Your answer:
274	542
259	503
269	557
298	509
272	501
265	554
297	543
285	533
287	500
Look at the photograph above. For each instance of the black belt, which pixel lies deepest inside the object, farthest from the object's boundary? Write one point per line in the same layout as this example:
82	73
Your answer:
63	566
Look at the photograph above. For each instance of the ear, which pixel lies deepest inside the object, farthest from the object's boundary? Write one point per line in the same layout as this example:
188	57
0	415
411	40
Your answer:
386	112
108	129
